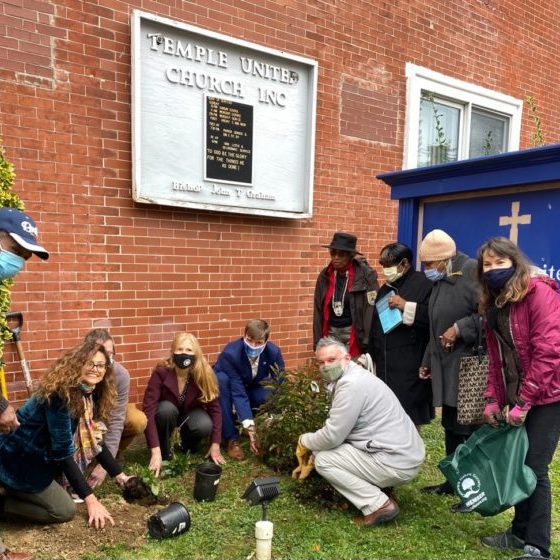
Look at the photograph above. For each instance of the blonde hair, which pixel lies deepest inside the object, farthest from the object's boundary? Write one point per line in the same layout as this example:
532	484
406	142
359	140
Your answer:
64	378
202	374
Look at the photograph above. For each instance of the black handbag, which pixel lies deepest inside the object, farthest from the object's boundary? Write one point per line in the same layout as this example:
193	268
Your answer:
473	377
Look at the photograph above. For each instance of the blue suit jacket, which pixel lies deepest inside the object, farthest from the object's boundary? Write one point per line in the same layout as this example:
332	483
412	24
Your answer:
234	363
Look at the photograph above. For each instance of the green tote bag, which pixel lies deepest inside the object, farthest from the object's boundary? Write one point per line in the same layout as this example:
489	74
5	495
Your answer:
488	471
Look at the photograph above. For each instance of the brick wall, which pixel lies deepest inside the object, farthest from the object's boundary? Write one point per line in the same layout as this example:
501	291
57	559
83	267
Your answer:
148	271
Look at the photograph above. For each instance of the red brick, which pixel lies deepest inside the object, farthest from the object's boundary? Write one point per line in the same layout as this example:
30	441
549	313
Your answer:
151	271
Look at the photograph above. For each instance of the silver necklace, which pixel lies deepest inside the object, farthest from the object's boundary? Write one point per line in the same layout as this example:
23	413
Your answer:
338	305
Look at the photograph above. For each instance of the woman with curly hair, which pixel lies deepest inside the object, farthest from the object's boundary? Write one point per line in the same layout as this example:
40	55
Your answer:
73	395
522	309
182	393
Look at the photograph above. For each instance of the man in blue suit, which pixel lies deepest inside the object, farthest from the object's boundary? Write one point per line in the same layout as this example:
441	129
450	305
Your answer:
241	368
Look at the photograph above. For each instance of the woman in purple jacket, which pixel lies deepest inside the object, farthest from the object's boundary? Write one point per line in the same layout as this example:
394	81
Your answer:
182	393
522	308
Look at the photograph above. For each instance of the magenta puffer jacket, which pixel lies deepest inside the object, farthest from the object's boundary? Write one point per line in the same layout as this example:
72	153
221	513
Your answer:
535	329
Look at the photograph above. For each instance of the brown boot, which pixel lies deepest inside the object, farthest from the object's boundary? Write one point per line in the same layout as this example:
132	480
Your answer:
387	512
234	450
9	555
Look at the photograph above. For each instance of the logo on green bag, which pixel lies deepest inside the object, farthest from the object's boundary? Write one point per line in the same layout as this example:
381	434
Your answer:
468	487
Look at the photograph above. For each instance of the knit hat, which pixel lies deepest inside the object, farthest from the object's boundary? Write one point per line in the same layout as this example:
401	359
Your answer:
437	246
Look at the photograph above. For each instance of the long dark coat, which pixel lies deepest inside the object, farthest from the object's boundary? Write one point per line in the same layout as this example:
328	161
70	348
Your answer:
454	299
398	354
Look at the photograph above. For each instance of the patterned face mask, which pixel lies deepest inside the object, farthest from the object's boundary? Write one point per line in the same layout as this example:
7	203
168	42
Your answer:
331	372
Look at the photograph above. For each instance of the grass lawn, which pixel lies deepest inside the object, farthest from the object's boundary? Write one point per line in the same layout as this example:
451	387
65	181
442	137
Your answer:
224	529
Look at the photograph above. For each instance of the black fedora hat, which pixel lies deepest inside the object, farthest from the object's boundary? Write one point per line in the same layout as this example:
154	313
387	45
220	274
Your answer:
343	242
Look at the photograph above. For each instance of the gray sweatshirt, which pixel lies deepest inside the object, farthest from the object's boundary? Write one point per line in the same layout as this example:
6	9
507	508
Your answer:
117	417
368	415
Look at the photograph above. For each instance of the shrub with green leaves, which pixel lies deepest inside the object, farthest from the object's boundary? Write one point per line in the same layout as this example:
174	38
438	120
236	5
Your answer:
299	404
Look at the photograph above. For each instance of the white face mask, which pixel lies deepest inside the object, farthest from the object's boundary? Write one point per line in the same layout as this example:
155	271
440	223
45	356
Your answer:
392	273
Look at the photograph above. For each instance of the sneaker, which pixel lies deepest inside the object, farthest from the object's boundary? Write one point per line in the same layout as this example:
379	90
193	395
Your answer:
503	540
531	553
443	488
234	450
460	507
75	498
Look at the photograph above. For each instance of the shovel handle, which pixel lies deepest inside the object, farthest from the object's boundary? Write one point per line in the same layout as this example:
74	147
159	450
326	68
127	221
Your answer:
3	388
24	368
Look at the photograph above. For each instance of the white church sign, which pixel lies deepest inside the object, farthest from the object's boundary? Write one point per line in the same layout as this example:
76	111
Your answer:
220	124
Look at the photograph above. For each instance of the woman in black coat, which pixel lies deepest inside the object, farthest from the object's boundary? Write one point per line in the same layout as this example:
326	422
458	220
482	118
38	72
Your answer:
398	353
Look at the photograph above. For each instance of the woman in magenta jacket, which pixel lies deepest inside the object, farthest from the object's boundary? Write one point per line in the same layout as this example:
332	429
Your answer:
522	308
182	393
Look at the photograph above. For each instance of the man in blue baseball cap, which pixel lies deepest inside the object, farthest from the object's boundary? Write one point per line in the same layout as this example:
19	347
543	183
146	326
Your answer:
18	242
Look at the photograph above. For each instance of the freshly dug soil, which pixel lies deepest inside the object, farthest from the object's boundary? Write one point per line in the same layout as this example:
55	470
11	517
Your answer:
137	491
68	541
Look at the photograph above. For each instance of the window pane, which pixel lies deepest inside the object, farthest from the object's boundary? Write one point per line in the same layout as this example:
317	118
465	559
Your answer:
438	132
488	134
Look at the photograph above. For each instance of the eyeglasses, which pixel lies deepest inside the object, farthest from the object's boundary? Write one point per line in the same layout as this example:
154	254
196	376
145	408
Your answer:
98	367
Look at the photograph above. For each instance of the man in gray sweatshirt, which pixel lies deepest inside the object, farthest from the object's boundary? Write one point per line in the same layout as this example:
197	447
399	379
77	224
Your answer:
368	441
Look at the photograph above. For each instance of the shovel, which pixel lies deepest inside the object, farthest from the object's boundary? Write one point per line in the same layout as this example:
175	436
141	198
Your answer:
15	322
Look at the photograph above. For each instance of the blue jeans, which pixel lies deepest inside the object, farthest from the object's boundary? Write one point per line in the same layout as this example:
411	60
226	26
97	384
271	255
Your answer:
532	520
256	394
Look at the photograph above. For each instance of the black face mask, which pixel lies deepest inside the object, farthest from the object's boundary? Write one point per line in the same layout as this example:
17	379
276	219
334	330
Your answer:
497	278
183	361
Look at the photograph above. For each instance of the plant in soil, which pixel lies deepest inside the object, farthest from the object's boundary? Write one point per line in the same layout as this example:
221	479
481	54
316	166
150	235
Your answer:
299	404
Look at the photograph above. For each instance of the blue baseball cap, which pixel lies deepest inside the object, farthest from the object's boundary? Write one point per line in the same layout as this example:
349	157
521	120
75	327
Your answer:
22	229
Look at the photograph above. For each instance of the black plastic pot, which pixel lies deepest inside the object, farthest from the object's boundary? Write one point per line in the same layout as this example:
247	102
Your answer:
206	481
169	521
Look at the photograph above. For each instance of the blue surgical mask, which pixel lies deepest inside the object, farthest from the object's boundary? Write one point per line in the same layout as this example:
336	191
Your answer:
10	264
497	277
253	351
434	274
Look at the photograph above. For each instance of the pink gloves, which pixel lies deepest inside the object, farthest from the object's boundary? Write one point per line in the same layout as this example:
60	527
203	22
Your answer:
515	417
493	413
517	414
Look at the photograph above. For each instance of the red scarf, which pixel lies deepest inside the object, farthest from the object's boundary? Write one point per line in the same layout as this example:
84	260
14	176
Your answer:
353	343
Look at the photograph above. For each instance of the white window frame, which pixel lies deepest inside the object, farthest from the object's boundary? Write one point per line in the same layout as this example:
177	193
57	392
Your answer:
419	78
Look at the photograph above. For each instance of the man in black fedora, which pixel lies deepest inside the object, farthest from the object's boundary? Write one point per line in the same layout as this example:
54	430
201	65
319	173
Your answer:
344	296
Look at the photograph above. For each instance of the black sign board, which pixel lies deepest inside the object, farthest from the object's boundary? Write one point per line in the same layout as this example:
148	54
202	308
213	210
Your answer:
229	141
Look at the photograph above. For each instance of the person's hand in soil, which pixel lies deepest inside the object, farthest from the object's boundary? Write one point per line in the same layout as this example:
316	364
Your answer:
215	454
155	461
121	479
253	442
97	476
97	513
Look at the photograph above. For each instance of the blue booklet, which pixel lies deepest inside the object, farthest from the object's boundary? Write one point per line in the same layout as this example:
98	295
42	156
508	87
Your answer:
390	318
